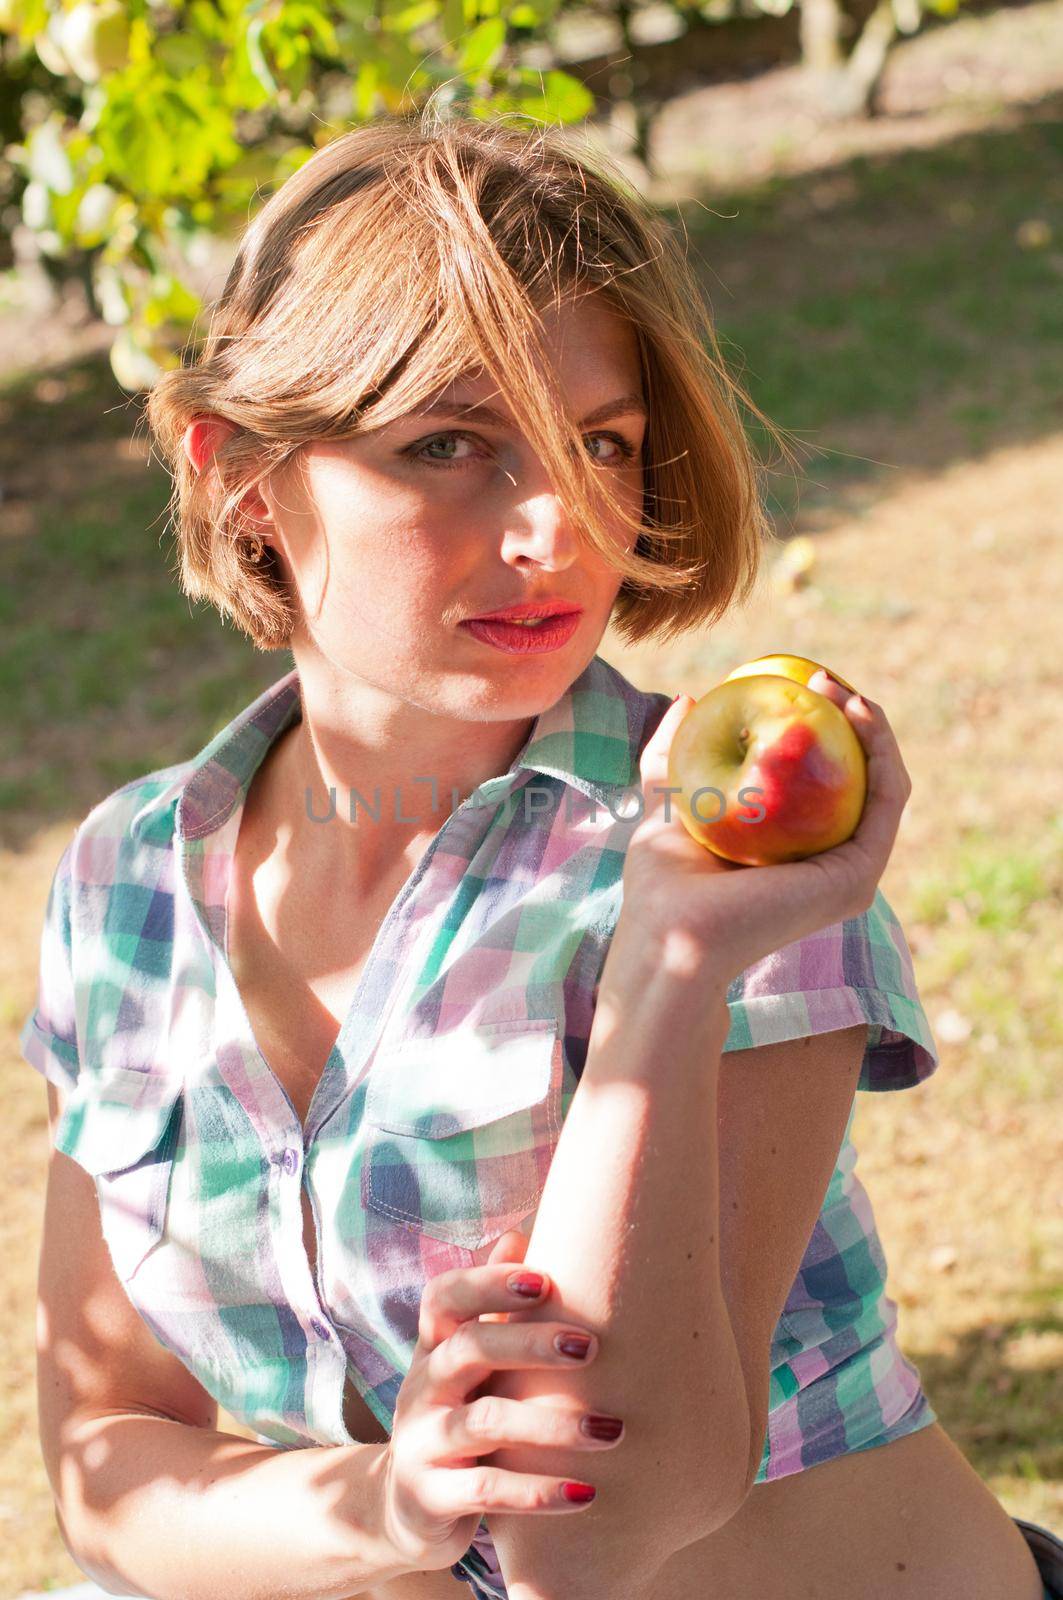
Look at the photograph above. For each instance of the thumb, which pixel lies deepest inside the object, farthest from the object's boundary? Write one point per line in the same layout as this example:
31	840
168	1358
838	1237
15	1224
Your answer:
653	763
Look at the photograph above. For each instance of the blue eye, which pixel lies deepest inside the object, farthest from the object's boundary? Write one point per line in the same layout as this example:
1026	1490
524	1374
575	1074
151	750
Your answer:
417	451
438	438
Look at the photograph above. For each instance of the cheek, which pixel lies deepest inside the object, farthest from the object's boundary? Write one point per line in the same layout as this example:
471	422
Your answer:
394	587
607	577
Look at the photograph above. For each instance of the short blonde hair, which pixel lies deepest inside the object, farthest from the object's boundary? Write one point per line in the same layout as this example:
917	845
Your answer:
405	254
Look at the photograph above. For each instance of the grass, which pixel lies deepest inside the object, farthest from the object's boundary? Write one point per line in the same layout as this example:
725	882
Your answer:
87	666
922	298
989	883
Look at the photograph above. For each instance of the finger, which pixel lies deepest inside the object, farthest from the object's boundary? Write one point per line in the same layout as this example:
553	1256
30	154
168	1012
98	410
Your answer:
888	783
822	682
492	1422
653	763
457	1491
477	1349
461	1295
887	775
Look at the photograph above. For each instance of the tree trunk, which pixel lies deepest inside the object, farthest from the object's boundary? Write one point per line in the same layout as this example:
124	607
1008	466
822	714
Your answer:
868	59
822	24
644	104
849	89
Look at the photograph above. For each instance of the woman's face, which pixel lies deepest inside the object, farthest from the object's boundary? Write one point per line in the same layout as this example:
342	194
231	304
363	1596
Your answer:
390	539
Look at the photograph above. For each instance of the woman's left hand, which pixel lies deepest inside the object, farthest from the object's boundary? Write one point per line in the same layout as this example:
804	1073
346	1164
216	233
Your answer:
700	907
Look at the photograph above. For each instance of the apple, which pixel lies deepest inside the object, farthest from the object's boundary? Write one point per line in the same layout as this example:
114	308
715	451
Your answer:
799	668
48	45
95	38
136	365
96	212
781	772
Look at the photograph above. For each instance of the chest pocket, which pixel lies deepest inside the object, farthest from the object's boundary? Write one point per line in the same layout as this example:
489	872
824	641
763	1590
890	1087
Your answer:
460	1128
123	1128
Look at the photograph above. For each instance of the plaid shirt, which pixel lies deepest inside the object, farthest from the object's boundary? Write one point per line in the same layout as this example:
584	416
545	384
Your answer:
432	1127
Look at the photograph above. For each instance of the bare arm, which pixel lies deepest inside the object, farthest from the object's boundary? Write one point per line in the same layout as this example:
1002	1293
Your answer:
628	1227
150	1498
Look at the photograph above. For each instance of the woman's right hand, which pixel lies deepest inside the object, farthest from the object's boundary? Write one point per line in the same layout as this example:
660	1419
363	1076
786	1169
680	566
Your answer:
435	1487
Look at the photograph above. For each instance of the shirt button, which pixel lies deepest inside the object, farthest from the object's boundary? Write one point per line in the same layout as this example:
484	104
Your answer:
320	1328
290	1159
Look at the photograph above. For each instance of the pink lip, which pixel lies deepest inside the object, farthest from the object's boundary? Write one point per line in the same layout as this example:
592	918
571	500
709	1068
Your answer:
513	640
529	608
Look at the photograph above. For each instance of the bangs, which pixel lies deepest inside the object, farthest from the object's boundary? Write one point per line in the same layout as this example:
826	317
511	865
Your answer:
407	256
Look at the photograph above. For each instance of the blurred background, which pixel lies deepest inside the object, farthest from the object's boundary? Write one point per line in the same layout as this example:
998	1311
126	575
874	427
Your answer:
872	191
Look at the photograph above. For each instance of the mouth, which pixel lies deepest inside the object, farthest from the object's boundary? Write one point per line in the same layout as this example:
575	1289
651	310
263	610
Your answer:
525	635
531	613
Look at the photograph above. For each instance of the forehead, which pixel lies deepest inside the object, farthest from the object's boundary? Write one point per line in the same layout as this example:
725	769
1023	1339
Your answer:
595	355
499	416
590	333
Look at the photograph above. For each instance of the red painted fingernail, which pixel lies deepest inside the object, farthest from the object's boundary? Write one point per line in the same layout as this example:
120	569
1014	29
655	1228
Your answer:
574	1345
597	1426
526	1283
578	1491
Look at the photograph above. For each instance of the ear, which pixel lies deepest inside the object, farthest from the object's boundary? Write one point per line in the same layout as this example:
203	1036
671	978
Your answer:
202	437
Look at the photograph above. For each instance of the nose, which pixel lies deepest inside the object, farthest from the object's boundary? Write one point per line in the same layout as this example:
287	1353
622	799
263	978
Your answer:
542	534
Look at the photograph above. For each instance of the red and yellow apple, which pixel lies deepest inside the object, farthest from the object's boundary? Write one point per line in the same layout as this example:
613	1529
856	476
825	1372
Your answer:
768	770
799	668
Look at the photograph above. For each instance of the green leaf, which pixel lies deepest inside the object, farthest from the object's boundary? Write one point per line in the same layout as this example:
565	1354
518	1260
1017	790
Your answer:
416	15
292	159
181	52
562	98
163	138
259	65
208	20
241	88
33	19
295	78
483	47
364	91
453	20
170	301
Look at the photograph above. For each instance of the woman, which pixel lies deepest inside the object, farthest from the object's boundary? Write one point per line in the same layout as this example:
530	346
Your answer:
319	1000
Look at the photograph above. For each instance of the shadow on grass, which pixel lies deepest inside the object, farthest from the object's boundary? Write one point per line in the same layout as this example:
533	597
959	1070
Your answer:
884	308
1000	1415
107	671
909	299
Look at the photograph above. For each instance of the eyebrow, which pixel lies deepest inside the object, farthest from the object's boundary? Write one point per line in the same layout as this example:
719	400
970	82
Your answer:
623	406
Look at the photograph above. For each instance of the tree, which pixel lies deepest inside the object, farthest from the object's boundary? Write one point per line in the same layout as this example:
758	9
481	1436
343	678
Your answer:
168	117
137	131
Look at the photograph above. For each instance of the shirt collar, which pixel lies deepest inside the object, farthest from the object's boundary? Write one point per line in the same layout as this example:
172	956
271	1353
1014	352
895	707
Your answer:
589	738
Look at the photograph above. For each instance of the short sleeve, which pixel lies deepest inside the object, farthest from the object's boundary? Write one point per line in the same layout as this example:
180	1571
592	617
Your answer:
48	1039
859	970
